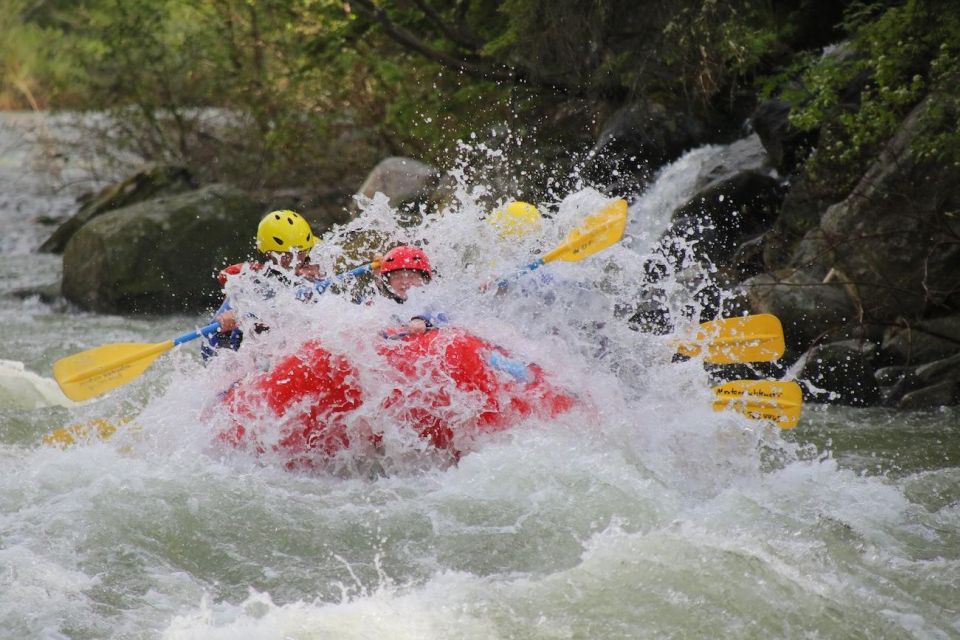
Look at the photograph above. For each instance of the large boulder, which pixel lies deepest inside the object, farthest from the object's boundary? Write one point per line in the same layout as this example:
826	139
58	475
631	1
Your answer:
650	133
149	182
405	181
840	373
808	309
925	341
745	155
733	202
728	213
895	235
160	256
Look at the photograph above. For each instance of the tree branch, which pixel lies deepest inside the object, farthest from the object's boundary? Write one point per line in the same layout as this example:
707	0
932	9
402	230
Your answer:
456	33
405	38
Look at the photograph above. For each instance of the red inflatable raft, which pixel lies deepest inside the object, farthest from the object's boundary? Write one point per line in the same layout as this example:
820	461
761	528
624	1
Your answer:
446	385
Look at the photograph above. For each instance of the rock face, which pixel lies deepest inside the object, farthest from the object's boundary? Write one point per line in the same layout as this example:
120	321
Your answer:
403	180
650	132
147	183
895	235
841	372
734	202
160	256
807	308
795	239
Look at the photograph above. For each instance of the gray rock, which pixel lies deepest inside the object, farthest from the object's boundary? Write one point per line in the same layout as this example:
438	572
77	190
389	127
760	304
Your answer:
649	132
160	255
840	374
745	155
147	183
888	376
807	308
404	181
929	385
925	341
895	235
943	394
903	383
936	372
734	202
868	350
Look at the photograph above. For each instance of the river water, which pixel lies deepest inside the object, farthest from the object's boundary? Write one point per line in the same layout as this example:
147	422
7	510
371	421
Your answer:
646	516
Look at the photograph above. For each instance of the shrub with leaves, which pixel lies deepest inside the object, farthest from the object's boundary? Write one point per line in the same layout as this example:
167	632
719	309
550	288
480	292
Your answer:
857	95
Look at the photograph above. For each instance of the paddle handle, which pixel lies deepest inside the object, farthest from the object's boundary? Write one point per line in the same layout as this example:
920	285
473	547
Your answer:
323	285
213	327
503	283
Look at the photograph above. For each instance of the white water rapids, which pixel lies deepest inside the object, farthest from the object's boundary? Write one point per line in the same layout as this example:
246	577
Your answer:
649	516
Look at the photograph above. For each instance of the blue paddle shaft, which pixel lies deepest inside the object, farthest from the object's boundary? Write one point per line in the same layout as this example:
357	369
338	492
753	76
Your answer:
321	285
503	283
213	327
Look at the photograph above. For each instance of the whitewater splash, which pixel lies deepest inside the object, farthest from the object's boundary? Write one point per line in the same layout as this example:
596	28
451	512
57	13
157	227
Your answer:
651	517
24	389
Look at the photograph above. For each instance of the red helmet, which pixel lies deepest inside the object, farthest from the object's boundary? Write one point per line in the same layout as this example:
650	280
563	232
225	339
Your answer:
406	257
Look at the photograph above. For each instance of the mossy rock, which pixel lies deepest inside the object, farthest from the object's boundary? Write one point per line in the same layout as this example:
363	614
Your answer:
160	256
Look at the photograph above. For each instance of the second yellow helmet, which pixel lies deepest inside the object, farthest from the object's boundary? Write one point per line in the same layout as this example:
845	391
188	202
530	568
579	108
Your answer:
284	230
515	219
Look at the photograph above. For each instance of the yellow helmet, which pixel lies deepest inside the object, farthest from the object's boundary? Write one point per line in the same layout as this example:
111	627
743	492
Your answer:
515	220
284	230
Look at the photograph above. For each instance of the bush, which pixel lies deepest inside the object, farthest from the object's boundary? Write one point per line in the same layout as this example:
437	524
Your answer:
857	97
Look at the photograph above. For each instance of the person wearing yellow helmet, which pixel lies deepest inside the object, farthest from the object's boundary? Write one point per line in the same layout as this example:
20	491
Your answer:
514	222
539	295
285	238
516	219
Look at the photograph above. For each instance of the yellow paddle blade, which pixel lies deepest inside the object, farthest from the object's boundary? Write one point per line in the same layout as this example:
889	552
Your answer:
776	400
82	431
94	371
595	233
757	338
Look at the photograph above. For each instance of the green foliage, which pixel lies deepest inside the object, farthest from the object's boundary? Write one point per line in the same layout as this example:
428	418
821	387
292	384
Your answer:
897	55
32	66
292	92
712	43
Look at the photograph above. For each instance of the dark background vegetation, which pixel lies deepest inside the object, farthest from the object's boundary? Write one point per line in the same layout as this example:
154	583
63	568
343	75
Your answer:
316	91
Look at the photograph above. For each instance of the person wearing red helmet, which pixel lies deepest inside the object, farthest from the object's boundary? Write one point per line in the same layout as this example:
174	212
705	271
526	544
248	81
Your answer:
400	270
